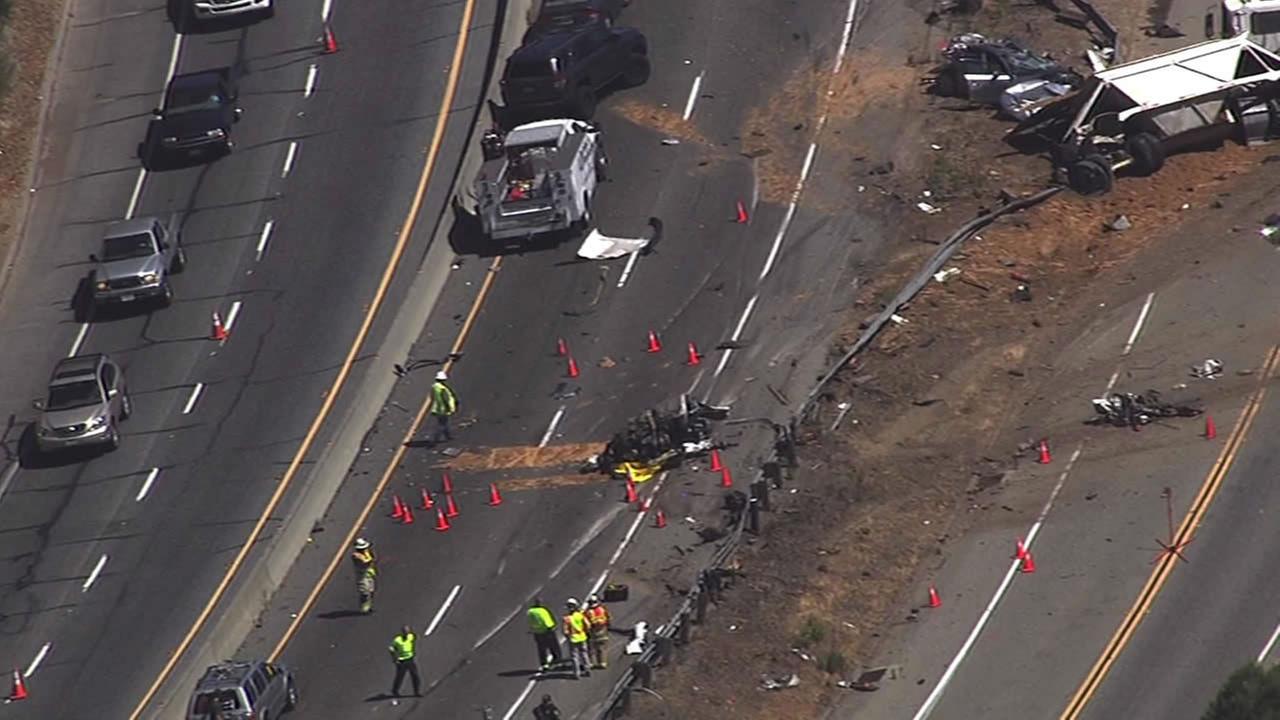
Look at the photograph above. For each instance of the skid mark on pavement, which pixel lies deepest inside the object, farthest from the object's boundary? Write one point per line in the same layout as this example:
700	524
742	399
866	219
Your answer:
522	456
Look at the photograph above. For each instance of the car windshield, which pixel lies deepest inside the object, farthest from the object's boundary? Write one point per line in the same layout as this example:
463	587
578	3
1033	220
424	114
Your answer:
127	246
207	703
73	395
185	98
1025	62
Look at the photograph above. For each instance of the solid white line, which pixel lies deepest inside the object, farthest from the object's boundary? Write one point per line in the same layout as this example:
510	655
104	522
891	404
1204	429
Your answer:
93	576
325	9
755	184
137	194
804	169
742	323
626	540
31	669
1112	382
943	681
551	428
311	81
231	316
80	336
10	473
146	484
288	158
520	700
848	34
693	95
173	59
626	271
1275	634
262	239
777	239
443	609
1137	326
191	401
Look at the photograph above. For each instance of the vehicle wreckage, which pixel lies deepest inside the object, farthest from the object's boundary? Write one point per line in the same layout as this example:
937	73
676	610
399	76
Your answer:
657	441
1133	410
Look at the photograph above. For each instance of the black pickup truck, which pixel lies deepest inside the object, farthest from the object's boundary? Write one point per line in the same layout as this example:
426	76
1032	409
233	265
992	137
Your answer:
194	124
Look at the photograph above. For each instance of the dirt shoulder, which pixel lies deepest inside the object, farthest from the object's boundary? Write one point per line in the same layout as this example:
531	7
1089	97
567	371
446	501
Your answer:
938	403
29	38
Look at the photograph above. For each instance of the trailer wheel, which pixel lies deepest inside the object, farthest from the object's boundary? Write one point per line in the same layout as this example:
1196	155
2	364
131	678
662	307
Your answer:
1147	153
1091	176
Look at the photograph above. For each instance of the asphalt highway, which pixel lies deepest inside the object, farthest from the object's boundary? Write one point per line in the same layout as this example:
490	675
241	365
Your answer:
108	560
701	284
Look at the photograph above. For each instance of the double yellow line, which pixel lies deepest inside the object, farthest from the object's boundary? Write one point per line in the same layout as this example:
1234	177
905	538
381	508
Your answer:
388	273
1186	531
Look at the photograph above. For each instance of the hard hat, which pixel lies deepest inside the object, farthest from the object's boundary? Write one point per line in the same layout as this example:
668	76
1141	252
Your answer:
362	544
442	375
593	600
571	602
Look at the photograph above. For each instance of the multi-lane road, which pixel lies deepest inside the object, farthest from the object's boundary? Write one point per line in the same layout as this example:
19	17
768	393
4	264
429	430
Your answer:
116	567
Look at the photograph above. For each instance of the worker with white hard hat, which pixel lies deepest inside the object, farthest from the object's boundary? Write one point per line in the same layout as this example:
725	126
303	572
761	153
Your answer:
444	403
364	563
575	631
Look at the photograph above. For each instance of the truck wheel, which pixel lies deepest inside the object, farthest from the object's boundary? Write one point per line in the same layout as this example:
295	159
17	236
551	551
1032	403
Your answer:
1147	152
637	72
1091	176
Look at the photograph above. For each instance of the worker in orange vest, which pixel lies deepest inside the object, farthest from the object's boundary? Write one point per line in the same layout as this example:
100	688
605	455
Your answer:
598	632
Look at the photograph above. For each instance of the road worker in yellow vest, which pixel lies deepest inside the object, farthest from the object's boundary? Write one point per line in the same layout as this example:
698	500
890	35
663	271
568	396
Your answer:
403	652
444	403
363	561
575	631
542	624
597	632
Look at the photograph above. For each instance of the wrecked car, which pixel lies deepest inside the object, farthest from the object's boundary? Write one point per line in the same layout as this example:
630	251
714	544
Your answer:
657	440
1022	100
1124	409
1131	117
981	70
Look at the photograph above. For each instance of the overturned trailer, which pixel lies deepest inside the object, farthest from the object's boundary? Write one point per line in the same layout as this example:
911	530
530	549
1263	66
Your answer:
1131	117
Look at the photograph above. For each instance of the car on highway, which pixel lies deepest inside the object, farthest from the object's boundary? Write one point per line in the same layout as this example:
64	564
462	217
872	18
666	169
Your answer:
87	399
567	70
243	690
217	9
195	121
135	262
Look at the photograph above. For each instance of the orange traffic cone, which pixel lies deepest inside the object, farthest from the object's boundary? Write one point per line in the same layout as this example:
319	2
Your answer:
715	461
694	357
397	511
1210	429
427	502
495	497
442	523
743	219
631	492
329	41
726	478
446	483
19	689
573	368
562	348
655	345
1045	457
408	515
1028	563
218	331
450	508
934	600
1019	550
659	519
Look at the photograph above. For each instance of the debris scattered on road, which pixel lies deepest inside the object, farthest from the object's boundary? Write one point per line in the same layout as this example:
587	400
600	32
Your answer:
943	275
670	141
607	362
1124	409
1022	293
598	246
927	208
1119	223
638	634
780	682
1210	369
898	319
657	441
1271	226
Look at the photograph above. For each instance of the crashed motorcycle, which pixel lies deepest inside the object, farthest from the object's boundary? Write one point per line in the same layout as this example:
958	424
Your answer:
1137	409
660	440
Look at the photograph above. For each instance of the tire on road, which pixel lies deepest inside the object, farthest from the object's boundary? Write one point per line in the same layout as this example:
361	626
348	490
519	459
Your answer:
1091	176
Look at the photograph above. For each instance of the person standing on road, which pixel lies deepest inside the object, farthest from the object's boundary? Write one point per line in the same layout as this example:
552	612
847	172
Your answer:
598	632
444	403
402	651
363	561
575	631
543	626
546	710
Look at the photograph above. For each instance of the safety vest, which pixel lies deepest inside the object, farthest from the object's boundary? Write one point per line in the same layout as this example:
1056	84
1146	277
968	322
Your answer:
598	619
363	562
540	620
575	627
443	401
402	646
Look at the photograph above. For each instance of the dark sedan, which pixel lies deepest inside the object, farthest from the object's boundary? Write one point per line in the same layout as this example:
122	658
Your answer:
195	122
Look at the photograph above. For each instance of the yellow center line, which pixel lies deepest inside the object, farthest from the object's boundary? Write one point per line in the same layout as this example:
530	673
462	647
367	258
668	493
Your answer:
1186	531
406	231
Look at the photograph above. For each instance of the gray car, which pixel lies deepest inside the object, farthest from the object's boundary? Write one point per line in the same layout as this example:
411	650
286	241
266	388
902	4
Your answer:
135	262
87	399
240	690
